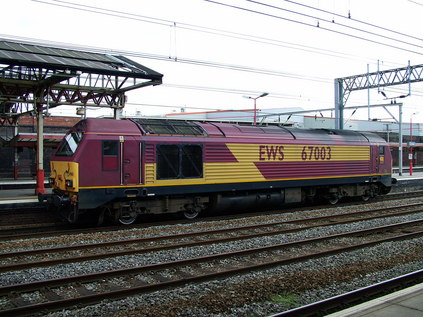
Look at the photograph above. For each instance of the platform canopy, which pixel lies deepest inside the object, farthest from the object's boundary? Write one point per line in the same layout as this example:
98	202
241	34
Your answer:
34	76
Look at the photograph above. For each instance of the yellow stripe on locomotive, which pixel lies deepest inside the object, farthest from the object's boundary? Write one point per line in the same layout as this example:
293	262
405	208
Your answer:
297	153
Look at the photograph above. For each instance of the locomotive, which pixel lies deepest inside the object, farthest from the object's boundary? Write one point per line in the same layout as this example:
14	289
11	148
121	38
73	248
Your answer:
125	168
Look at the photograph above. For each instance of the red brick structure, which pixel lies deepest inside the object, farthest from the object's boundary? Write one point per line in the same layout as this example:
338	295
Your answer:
17	152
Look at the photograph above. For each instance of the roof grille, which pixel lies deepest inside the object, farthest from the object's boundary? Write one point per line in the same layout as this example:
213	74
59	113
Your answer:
161	126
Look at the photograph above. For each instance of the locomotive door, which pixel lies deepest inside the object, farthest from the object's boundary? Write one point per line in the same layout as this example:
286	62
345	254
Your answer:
131	160
375	159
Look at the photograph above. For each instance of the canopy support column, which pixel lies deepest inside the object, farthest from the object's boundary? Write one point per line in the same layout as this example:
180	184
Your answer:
40	150
16	154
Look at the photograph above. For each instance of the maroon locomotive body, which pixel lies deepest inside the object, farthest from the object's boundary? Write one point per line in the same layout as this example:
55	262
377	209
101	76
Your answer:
125	168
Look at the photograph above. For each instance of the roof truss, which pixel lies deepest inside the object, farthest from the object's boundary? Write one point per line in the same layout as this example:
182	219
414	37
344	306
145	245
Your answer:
34	76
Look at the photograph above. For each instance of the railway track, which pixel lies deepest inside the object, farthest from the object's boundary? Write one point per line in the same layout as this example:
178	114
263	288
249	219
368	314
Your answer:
350	299
27	220
91	288
58	293
23	229
49	256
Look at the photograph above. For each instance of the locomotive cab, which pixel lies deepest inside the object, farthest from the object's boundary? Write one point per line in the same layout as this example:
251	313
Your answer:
92	166
64	176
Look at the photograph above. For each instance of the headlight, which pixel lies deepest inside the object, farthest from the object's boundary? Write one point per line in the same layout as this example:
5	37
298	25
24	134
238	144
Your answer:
68	183
51	180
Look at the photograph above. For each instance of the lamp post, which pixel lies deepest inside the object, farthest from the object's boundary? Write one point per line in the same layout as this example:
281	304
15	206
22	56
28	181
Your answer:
410	145
255	105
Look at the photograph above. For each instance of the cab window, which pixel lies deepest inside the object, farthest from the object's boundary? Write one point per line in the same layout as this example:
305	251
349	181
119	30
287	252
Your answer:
381	150
110	151
70	144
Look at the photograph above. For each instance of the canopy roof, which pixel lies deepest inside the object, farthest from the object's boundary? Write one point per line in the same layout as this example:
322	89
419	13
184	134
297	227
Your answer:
21	54
33	74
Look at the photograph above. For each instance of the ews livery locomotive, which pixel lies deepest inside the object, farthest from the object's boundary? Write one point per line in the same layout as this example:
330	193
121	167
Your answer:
126	168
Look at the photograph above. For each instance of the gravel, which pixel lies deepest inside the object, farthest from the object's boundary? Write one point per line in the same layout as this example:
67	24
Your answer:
86	238
71	269
164	301
244	295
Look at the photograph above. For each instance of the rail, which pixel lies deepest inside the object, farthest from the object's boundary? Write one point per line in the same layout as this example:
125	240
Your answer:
355	297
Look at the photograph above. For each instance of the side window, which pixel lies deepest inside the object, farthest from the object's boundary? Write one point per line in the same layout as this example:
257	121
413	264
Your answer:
167	161
179	161
381	150
110	155
191	161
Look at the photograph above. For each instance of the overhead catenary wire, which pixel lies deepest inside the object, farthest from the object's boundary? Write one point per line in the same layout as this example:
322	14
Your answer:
415	2
329	21
196	28
313	25
230	90
191	27
193	87
198	62
174	25
356	20
225	33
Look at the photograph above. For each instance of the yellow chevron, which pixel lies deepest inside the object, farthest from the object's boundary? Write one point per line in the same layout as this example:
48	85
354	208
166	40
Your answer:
250	153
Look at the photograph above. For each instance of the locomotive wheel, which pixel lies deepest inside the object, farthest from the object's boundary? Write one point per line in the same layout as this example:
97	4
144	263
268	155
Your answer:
127	218
191	214
333	200
365	197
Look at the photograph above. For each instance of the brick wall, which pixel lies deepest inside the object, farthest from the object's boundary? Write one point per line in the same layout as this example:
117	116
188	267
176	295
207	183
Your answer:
27	154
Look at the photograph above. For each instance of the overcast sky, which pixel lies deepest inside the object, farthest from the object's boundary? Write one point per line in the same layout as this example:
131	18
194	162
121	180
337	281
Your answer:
293	55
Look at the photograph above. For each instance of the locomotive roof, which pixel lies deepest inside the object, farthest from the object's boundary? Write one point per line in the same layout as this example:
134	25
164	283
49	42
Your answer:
107	126
180	127
160	126
281	132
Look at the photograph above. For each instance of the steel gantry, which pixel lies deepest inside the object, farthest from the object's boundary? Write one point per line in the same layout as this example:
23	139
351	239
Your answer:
35	78
344	86
381	78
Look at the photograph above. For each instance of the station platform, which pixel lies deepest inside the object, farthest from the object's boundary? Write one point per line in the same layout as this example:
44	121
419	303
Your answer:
19	193
406	177
407	302
22	192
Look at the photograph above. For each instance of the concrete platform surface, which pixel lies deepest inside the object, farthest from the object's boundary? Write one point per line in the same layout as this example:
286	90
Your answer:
405	303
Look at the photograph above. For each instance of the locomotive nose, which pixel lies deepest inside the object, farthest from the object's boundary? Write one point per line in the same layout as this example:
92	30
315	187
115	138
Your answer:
64	176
